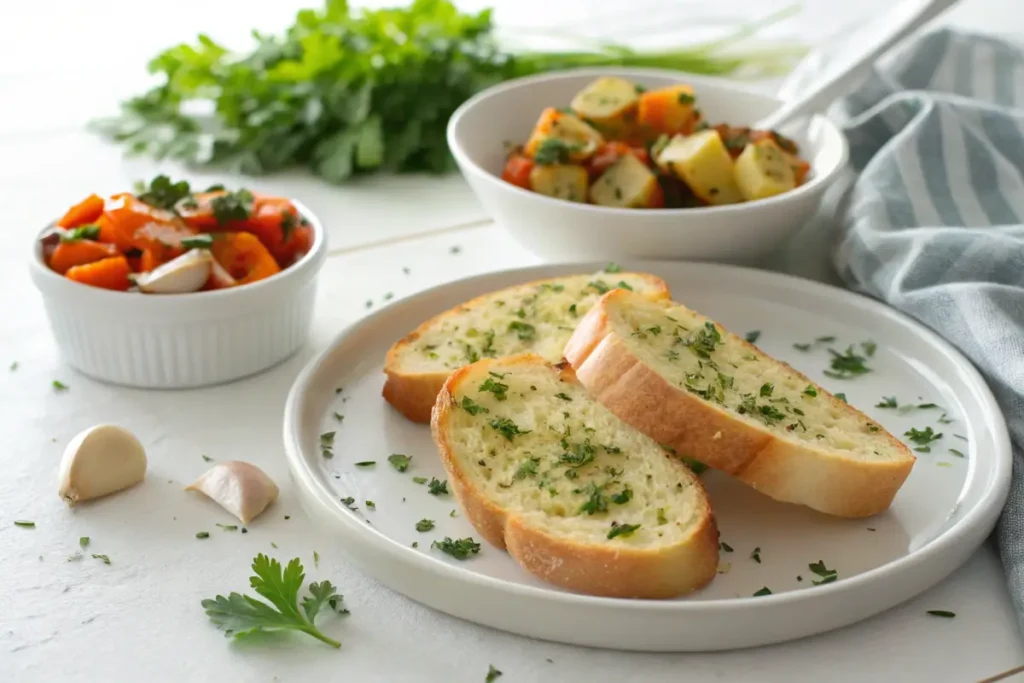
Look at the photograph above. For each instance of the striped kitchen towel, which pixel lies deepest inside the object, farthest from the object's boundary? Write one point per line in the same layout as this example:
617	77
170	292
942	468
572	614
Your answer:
934	222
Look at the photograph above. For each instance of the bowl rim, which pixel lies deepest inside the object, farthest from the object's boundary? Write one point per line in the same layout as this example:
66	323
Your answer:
60	285
818	183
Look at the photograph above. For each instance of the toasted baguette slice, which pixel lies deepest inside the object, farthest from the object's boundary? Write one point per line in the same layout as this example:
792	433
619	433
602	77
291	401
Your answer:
547	473
688	383
535	317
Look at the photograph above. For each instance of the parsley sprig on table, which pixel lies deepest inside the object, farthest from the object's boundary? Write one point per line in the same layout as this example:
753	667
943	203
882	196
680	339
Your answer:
242	615
353	91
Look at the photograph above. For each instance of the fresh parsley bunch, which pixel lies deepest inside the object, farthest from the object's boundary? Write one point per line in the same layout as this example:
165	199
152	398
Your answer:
242	615
352	92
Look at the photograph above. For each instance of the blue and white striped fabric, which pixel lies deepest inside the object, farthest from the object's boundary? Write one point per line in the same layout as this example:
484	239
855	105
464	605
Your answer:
934	223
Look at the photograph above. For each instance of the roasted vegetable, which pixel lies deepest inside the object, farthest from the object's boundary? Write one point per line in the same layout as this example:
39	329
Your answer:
560	137
608	104
703	163
109	273
763	170
562	181
627	184
668	110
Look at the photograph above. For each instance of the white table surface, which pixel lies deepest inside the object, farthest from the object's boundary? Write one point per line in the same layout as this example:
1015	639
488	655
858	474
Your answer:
139	618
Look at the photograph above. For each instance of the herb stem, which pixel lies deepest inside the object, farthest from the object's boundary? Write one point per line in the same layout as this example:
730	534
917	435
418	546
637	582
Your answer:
315	632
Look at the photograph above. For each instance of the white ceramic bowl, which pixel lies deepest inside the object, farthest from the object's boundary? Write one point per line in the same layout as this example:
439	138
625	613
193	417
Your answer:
179	341
560	230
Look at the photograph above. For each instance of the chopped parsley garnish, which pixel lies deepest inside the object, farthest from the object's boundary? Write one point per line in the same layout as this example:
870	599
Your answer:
370	504
24	523
492	674
810	391
767	388
437	488
613	268
202	534
163	193
596	501
82	232
232	206
83	541
622	529
424	525
350	503
366	463
961	437
228	527
725	547
399	461
755	555
553	151
202	241
819	340
327	444
686	98
523	330
564	396
945	614
507	428
576	455
662	519
847	364
887	402
496	388
770	414
869	348
922	437
207	458
752	336
764	590
600	285
827	575
102	558
452	513
956	453
841	396
60	386
472	407
703	341
419	480
339	417
623	496
459	549
527	468
696	466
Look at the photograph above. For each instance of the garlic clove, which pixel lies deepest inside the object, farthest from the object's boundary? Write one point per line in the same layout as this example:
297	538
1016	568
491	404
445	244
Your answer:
99	461
220	278
185	274
242	489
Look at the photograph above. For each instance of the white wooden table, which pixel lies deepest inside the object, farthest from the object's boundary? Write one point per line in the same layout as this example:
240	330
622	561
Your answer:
139	618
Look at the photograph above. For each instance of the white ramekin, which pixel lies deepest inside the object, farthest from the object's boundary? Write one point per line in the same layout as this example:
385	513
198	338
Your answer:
180	341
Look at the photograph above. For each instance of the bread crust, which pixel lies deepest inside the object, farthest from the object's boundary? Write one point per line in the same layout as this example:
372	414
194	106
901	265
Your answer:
603	570
784	469
413	394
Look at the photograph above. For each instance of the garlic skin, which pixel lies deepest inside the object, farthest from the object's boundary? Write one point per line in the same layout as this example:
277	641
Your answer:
99	461
242	489
182	275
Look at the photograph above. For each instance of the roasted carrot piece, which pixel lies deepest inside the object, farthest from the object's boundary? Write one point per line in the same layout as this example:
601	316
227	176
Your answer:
149	260
85	211
668	110
110	273
73	253
243	256
126	215
517	171
220	209
281	229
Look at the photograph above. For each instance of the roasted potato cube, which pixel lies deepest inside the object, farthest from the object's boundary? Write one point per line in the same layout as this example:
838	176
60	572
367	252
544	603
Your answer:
763	170
609	104
574	139
703	163
562	181
626	184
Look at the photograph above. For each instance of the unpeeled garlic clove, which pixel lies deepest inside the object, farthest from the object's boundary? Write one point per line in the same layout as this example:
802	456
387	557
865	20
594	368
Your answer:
183	275
219	277
242	489
99	461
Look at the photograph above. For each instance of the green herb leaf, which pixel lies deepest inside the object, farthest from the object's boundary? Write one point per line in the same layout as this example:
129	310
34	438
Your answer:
102	558
424	525
228	527
767	388
24	523
810	390
202	534
553	151
847	364
523	330
596	501
507	428
197	242
83	541
82	232
399	461
827	575
696	466
956	453
755	555
764	590
370	504
922	437
460	549
164	193
622	530
60	386
366	463
725	547
887	402
242	615
613	268
563	396
437	488
496	388
472	407
841	396
492	674
419	480
752	336
942	613
232	206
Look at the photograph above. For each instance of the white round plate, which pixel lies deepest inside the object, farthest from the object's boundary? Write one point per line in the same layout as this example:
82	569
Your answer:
947	507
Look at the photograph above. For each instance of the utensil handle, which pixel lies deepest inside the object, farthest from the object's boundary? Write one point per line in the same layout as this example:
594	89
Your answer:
887	30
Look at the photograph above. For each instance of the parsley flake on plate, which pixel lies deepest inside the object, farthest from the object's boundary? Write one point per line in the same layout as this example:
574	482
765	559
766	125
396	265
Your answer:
941	613
437	488
399	461
764	590
460	549
827	575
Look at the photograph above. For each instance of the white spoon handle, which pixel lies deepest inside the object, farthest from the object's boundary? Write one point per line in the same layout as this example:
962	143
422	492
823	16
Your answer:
882	33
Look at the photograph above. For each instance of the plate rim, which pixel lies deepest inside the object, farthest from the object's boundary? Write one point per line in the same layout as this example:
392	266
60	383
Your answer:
976	523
